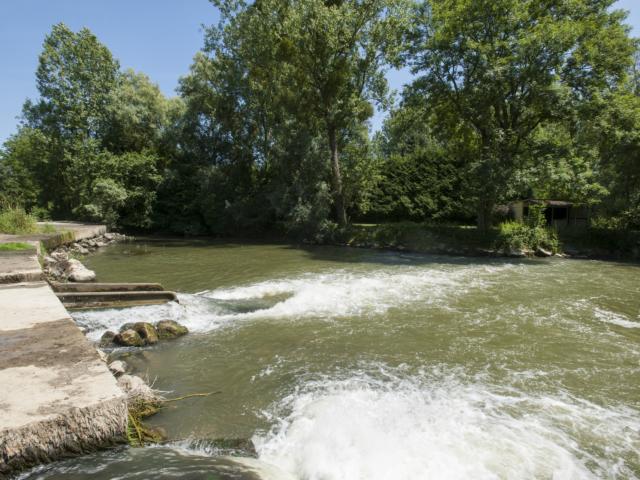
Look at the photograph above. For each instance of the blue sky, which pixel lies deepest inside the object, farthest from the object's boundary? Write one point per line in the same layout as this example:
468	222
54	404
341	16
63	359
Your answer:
157	37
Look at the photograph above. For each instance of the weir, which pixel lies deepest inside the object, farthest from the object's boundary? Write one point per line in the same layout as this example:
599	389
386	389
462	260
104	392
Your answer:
58	397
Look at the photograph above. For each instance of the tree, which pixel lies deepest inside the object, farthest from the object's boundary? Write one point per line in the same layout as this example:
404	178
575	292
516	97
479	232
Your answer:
503	67
76	77
322	60
137	114
23	164
91	145
420	174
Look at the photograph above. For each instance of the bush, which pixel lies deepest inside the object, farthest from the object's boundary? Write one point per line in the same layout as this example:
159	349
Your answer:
16	221
529	235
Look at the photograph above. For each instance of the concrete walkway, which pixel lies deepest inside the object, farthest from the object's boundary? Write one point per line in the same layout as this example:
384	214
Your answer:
57	398
20	266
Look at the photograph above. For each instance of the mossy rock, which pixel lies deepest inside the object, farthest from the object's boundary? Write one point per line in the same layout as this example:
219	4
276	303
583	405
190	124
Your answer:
147	332
154	434
107	339
129	338
170	329
243	447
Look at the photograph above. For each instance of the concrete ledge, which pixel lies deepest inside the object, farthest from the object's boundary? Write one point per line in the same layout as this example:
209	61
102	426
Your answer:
114	299
78	431
67	232
57	397
106	287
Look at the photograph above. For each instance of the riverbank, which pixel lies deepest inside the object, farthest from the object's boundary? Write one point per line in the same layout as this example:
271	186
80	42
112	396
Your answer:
465	240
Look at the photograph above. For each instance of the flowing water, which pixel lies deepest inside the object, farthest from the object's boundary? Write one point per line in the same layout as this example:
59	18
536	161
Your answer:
356	364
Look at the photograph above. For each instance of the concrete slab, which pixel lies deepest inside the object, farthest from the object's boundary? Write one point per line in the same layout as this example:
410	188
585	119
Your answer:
67	232
24	305
81	300
57	397
80	230
19	266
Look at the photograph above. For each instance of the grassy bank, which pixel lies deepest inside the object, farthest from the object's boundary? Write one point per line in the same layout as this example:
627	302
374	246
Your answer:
601	242
16	221
468	240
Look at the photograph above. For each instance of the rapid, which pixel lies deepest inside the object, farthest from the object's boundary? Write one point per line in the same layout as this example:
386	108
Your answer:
349	364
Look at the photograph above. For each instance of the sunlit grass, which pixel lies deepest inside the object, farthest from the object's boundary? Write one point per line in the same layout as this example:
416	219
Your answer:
15	246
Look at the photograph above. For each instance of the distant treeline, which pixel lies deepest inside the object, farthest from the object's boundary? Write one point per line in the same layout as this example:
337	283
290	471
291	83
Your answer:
269	130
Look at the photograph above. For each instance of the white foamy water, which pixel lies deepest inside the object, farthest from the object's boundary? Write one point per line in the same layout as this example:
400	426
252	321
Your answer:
362	428
196	313
328	295
614	318
345	293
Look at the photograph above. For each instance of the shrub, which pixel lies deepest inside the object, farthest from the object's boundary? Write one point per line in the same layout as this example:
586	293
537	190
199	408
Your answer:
16	221
528	235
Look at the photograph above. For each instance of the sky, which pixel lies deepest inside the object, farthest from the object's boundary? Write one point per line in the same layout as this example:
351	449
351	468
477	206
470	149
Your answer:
157	37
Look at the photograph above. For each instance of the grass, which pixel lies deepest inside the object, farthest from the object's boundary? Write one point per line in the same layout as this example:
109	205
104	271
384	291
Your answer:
47	228
15	221
15	246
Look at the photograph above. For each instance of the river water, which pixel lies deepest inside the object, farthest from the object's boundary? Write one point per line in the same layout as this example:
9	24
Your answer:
357	364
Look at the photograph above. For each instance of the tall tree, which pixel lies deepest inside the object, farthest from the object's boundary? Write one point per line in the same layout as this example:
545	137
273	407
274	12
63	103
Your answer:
503	67
75	77
323	59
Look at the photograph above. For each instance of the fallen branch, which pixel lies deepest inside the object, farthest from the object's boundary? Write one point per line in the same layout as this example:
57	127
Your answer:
189	396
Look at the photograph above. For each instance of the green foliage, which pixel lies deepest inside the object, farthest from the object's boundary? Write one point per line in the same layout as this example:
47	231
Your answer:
513	99
421	237
90	147
315	63
15	221
502	68
529	235
602	240
23	168
76	76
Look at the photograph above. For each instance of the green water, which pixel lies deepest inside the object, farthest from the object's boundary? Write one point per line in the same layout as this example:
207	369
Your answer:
357	364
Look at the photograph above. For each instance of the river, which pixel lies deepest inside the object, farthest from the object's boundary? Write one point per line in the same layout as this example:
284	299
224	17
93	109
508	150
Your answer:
349	364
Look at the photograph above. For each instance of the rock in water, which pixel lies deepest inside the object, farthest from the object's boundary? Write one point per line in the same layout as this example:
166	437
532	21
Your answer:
243	447
107	339
541	252
516	253
147	332
127	326
118	367
170	329
155	434
129	338
77	272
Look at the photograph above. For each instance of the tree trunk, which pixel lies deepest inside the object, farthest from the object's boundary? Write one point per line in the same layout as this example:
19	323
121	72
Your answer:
485	209
336	179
